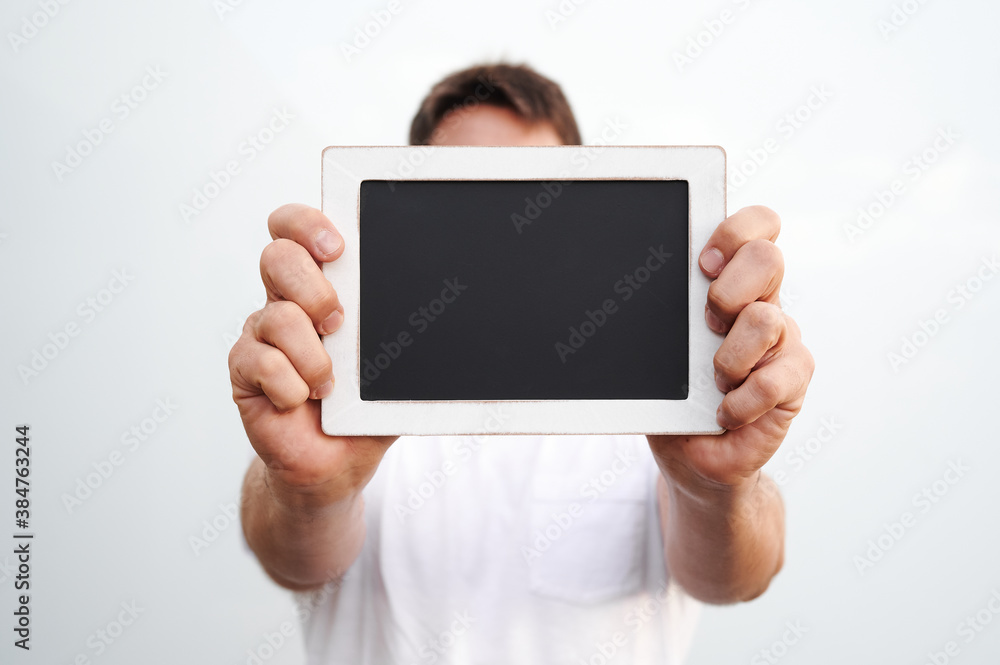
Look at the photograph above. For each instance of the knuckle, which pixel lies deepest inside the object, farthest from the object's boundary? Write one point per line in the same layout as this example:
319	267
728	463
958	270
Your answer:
270	366
267	254
250	328
235	355
766	388
725	368
725	363
763	315
295	395
765	252
809	362
311	218
271	255
317	368
279	216
278	251
252	322
274	217
290	269
719	298
738	233
286	398
322	301
728	410
242	347
283	316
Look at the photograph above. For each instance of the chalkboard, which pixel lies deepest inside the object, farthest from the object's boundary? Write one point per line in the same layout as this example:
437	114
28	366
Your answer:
523	289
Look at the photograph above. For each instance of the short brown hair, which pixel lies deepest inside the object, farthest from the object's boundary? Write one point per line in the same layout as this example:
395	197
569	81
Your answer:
519	88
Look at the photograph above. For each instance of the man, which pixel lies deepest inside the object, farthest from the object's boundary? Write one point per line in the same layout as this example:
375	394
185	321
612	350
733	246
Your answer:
512	549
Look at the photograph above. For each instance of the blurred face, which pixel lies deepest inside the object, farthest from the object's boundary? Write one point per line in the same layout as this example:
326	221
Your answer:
492	125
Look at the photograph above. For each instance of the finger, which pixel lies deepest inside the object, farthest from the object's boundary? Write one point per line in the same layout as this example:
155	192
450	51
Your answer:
753	223
286	327
754	273
780	383
308	227
289	273
755	339
257	368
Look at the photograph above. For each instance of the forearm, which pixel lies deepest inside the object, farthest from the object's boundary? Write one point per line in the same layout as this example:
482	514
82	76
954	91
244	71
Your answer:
723	544
302	542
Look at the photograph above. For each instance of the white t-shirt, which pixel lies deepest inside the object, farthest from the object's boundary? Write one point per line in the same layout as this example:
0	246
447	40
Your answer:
506	549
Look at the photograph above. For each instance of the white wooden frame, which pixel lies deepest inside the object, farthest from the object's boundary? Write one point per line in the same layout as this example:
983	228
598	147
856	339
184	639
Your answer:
344	169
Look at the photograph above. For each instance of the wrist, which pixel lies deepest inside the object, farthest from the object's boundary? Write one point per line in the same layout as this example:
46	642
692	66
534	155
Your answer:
308	501
685	482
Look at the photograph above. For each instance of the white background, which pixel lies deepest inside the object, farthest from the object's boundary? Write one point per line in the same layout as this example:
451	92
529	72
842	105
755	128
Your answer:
167	334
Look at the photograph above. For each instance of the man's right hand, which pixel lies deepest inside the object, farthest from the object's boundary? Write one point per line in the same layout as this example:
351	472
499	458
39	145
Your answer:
280	370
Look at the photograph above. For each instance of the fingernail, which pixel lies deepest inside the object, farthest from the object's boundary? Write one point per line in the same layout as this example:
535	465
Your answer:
714	322
711	261
331	323
327	242
323	390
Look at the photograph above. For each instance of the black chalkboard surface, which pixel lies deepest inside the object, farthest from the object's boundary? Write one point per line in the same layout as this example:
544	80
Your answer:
523	289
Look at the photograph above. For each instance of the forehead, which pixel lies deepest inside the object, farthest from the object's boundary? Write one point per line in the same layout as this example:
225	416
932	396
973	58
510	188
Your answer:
492	125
